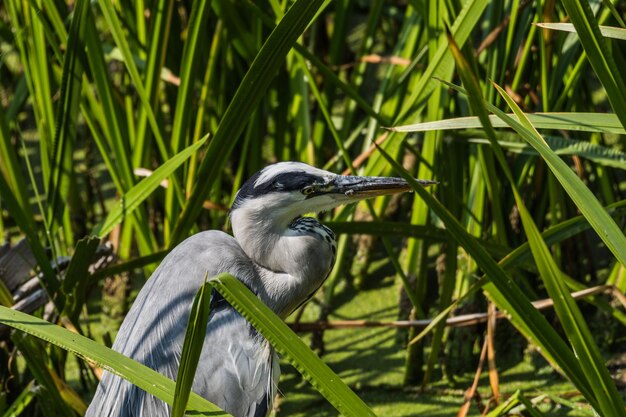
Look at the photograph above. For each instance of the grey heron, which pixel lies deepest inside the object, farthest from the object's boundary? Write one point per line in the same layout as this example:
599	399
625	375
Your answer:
280	255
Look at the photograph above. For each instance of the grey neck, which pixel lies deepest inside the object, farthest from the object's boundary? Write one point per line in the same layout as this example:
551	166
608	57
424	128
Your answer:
293	259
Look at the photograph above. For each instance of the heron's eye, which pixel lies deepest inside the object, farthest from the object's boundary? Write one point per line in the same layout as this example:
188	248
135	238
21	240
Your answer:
308	190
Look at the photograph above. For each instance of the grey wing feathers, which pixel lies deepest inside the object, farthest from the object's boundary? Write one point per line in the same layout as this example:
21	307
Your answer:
235	363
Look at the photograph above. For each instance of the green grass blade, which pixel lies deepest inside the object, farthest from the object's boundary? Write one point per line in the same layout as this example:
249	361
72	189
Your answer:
110	360
34	354
162	12
143	189
74	282
606	31
10	168
291	347
191	60
583	122
248	95
192	348
22	401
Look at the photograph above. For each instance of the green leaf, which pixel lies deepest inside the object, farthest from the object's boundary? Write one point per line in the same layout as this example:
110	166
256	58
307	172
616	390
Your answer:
143	189
584	122
192	348
22	401
35	357
190	64
110	360
290	346
74	281
606	31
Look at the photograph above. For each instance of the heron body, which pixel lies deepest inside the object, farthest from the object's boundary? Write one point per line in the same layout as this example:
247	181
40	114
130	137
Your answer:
282	257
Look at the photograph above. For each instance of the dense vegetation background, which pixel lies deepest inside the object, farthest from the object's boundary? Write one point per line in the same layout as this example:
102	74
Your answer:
126	126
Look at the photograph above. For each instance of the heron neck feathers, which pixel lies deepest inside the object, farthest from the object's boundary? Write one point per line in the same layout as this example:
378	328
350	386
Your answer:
294	260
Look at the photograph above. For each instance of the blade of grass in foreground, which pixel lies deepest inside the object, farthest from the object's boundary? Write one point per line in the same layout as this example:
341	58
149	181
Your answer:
291	347
192	347
110	360
591	364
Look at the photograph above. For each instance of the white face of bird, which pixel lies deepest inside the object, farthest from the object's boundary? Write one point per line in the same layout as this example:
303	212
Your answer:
291	189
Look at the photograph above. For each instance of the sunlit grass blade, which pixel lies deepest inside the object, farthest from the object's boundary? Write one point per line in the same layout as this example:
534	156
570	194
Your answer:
110	360
606	228
574	325
248	95
22	401
192	348
606	31
10	168
113	143
584	122
440	65
143	189
290	346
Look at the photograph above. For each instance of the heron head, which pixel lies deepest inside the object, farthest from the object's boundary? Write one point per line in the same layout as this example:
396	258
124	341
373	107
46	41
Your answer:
286	190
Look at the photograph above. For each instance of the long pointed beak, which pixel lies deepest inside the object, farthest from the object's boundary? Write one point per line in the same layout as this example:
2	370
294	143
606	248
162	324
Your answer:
358	188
